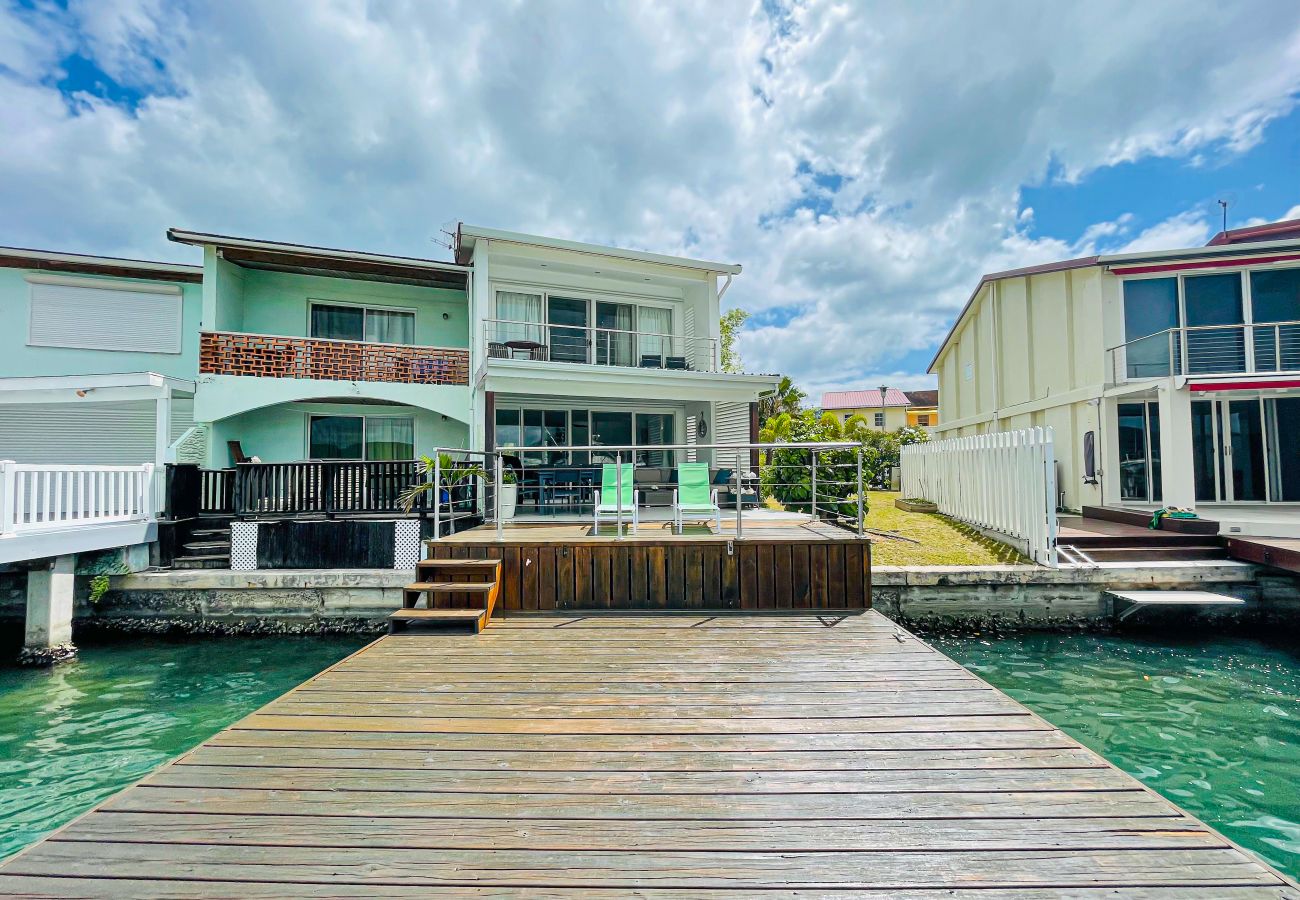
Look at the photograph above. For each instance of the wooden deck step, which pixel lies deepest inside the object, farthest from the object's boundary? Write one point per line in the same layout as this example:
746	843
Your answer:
399	619
445	564
450	587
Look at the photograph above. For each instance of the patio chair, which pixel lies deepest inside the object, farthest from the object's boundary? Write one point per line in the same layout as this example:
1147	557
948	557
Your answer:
694	496
609	503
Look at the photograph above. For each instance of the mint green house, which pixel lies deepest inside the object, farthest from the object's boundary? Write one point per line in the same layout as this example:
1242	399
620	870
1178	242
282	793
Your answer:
307	353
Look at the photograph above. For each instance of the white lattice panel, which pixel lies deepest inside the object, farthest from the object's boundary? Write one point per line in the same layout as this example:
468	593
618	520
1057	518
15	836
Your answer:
406	544
243	546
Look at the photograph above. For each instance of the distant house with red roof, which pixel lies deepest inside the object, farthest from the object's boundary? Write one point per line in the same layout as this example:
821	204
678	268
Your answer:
895	410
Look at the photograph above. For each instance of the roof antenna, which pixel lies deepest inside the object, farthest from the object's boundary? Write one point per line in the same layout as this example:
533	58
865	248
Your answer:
1224	205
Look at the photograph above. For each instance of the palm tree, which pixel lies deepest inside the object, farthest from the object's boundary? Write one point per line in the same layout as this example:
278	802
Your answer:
453	473
785	399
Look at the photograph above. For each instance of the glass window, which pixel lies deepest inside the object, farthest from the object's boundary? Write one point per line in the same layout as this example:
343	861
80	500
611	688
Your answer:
335	437
390	437
879	419
580	435
1275	296
610	429
390	326
922	420
338	323
1214	300
506	433
516	309
1205	453
653	429
1150	308
1133	471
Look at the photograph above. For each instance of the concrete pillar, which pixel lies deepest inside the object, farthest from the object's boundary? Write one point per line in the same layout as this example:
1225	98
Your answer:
48	636
1178	475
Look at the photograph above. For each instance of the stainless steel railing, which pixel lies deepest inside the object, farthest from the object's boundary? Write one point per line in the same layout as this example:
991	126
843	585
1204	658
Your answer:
1208	350
510	339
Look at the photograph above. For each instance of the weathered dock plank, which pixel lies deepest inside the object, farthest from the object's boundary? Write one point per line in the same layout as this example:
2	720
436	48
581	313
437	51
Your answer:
664	756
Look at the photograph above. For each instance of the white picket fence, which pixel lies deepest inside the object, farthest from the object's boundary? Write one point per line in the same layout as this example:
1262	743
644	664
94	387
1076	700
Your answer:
36	498
1003	482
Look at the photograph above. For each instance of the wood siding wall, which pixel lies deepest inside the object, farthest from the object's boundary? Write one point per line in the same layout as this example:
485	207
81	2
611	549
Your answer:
677	575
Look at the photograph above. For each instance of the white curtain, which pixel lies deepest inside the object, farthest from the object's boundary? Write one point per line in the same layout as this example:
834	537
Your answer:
515	307
654	321
390	327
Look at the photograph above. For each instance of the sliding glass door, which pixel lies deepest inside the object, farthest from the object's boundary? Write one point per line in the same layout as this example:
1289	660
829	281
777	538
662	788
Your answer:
615	323
1229	449
1139	452
568	329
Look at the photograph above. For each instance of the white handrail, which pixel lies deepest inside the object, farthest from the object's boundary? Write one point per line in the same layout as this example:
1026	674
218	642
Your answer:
36	498
1003	482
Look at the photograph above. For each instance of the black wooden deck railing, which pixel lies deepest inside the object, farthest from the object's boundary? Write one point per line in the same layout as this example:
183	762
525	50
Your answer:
331	488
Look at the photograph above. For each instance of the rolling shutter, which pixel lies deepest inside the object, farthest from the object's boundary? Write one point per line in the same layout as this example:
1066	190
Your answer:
103	434
104	315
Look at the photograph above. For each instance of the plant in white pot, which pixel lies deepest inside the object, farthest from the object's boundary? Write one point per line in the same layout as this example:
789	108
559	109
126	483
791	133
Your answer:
509	493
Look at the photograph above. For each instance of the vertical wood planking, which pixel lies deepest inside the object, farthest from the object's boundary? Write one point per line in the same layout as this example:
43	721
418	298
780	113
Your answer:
564	577
656	577
582	581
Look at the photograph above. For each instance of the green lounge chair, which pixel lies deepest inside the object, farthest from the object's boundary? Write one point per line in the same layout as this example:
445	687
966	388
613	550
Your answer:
694	497
608	505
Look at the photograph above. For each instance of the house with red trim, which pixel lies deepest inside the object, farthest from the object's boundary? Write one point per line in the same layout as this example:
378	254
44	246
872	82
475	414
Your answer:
1170	378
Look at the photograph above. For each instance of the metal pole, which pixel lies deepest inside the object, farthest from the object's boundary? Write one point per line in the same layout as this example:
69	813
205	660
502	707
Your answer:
496	498
740	520
618	492
437	496
860	498
814	485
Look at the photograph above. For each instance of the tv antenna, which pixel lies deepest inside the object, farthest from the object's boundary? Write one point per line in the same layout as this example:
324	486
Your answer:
446	236
1223	204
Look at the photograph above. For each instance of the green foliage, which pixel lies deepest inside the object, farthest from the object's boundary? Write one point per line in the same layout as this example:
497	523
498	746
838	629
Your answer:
728	332
453	472
98	588
786	399
786	473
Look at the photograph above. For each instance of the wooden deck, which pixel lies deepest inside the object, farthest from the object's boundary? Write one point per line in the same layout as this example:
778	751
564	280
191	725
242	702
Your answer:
1280	553
661	756
781	564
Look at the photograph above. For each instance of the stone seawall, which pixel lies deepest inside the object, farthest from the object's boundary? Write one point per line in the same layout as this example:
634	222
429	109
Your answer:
359	600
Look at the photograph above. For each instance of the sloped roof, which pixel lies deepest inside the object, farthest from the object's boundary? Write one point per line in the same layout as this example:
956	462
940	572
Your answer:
1273	231
923	398
860	399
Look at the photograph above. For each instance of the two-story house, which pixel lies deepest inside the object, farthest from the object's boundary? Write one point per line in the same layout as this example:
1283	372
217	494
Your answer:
281	353
1169	378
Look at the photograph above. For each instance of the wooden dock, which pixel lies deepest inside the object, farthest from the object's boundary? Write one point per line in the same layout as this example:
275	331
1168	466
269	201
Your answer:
649	756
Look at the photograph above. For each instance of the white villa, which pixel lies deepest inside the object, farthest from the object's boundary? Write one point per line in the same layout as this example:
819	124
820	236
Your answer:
1169	378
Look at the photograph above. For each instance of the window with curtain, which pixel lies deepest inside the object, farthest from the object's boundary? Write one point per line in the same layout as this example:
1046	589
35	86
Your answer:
515	307
390	437
360	323
654	321
336	437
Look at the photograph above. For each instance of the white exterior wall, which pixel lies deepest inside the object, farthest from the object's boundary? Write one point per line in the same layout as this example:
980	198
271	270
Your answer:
1030	352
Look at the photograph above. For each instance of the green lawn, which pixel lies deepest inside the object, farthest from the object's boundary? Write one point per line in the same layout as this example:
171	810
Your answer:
936	540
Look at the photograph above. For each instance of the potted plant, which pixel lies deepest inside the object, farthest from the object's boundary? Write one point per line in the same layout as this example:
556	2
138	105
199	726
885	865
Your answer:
509	493
455	475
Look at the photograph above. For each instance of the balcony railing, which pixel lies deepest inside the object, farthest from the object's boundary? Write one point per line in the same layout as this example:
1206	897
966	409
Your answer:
1208	350
507	339
275	356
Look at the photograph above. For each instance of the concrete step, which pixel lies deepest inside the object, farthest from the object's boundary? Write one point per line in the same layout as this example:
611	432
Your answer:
1145	553
211	561
207	548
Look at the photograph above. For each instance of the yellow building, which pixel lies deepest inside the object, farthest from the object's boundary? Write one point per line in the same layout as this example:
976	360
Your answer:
898	409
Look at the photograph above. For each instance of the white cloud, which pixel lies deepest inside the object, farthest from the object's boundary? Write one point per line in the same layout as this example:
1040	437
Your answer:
863	162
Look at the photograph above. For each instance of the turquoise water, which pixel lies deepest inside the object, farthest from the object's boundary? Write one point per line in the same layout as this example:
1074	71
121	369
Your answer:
72	735
1211	723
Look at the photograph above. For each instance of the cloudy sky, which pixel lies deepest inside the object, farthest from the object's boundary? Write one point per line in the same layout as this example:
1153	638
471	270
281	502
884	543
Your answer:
865	162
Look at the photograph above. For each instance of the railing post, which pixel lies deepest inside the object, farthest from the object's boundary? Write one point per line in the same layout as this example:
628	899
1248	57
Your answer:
740	519
437	495
860	492
618	493
328	473
496	496
813	511
8	497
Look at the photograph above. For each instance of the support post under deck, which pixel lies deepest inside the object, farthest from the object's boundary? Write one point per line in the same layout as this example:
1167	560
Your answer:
48	635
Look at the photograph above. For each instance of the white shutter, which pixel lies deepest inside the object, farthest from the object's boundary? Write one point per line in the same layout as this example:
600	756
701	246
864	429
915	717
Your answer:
731	423
91	314
97	434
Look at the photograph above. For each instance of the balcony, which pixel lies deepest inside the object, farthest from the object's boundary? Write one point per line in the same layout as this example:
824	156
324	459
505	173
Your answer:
1208	350
275	356
508	339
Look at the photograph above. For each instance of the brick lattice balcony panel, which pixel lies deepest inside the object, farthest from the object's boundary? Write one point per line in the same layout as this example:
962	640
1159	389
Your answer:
270	356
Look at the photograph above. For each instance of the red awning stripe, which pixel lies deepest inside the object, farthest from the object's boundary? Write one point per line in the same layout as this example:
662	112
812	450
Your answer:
1244	385
1203	264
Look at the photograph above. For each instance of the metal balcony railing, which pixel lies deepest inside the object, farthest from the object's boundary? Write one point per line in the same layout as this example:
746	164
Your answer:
278	356
1208	350
508	339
